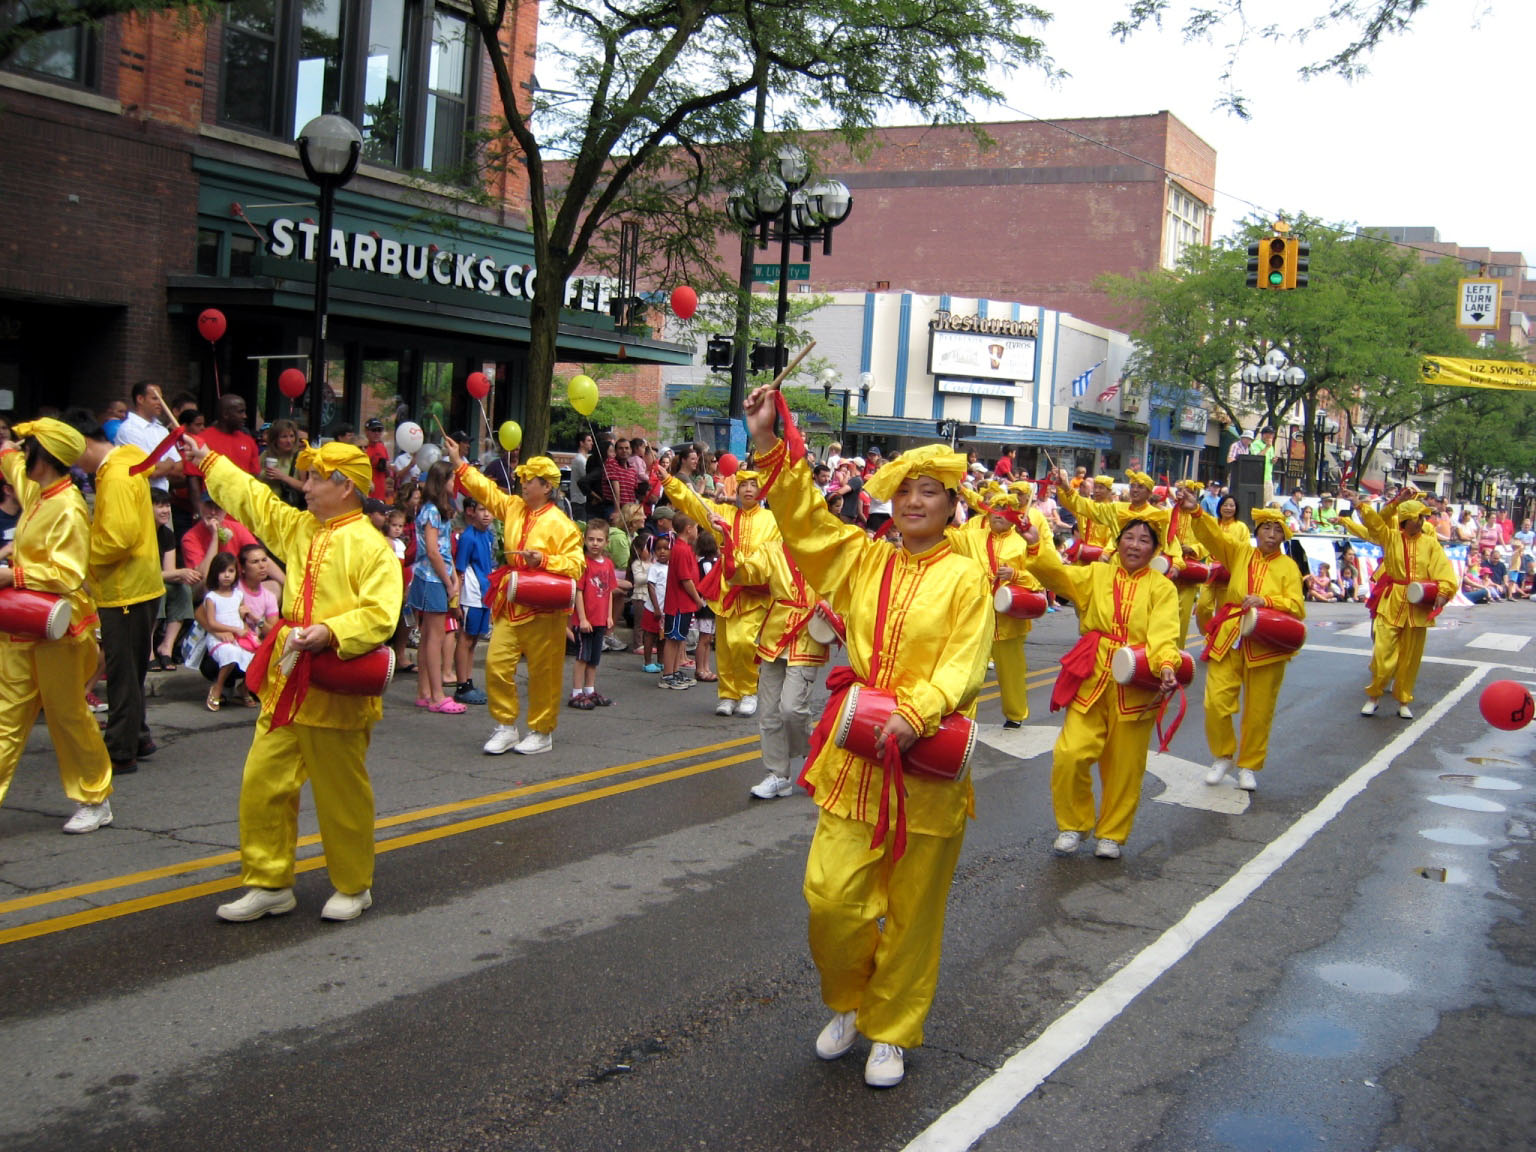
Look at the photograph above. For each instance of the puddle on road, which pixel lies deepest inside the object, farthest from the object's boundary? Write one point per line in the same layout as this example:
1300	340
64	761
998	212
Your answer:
1490	783
1442	875
1315	1036
1493	760
1364	978
1263	1132
1467	803
1459	836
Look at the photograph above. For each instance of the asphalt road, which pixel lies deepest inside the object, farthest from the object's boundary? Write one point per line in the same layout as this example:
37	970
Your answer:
604	947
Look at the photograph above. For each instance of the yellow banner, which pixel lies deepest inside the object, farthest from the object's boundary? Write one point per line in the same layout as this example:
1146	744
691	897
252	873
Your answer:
1511	375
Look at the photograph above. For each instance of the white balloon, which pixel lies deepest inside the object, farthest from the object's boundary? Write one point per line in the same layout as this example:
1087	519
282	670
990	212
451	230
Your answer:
428	455
409	437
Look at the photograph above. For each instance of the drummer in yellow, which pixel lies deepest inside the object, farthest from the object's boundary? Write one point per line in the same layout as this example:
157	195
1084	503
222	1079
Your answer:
343	593
1409	556
1121	603
886	841
1189	549
1233	528
1113	515
51	553
1089	530
536	537
1246	674
742	608
1000	550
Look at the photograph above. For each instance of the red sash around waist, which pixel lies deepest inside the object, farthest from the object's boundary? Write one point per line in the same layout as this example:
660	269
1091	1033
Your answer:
1076	666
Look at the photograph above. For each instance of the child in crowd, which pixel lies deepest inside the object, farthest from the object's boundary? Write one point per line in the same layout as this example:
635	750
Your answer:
703	654
656	598
176	606
394	532
231	641
1321	585
472	558
259	599
682	601
594	615
433	584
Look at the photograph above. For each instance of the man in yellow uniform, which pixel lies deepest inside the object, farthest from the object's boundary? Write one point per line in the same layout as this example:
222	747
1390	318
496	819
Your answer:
1001	551
537	537
51	553
1409	555
886	841
743	608
1182	529
342	594
126	582
1246	674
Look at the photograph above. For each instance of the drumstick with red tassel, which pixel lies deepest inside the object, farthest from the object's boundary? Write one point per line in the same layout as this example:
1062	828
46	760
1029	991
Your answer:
171	437
792	438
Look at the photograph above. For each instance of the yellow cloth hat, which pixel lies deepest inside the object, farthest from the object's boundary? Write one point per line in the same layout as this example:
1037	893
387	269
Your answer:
1106	481
998	500
1407	510
1022	488
352	462
748	476
1193	485
58	439
1141	478
936	460
542	467
1271	516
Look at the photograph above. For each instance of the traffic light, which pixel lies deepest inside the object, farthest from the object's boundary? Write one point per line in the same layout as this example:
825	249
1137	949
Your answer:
720	352
1253	264
1275	255
1300	258
769	358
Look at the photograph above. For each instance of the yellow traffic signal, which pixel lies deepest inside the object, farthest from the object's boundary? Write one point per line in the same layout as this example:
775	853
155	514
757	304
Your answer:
1277	258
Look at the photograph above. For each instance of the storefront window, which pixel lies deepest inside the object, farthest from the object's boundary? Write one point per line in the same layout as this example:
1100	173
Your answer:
67	54
382	113
380	385
436	395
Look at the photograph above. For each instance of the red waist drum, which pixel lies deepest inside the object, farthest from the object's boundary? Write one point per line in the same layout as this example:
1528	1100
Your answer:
1419	592
1019	603
946	754
1219	574
365	675
1077	552
825	626
1277	629
39	615
541	591
1193	571
1129	666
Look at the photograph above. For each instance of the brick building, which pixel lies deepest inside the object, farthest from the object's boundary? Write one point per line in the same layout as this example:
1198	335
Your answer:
151	173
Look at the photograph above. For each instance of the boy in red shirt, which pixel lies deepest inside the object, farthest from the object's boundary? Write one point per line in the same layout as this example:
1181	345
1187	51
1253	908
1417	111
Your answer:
594	616
682	601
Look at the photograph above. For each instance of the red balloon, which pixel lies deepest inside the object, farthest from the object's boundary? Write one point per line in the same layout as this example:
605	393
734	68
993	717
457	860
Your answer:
1506	704
210	322
685	302
291	383
727	464
479	385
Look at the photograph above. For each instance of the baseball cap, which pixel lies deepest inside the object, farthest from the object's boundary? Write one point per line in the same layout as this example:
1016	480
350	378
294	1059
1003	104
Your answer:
374	424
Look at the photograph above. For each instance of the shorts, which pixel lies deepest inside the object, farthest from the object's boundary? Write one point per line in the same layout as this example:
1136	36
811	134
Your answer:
676	625
427	596
650	622
706	625
477	621
176	604
589	645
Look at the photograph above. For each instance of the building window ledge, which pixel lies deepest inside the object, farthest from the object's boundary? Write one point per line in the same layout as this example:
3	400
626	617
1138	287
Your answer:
64	93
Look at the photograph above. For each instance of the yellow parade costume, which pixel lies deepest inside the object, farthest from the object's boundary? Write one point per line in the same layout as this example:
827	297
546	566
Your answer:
1115	515
1211	595
1089	530
341	573
520	632
917	627
51	553
1400	627
742	609
1189	547
1108	722
1246	674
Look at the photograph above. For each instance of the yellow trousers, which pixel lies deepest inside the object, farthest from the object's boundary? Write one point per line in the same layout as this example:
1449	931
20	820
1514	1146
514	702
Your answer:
1012	671
1187	595
541	641
332	760
1119	745
736	653
53	676
1232	682
1205	604
1395	656
888	975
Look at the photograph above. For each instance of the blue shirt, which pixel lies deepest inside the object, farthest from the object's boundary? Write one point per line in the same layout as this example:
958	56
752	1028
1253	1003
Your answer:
429	515
1211	503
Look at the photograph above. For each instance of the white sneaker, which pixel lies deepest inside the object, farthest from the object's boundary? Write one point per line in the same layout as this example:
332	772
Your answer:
89	817
1247	781
1066	843
725	708
1107	849
259	902
501	740
534	743
343	907
1219	769
837	1037
885	1066
748	706
1368	708
773	786
1404	712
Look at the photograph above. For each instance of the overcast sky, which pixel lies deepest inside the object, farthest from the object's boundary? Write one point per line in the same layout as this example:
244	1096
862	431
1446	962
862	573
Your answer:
1439	132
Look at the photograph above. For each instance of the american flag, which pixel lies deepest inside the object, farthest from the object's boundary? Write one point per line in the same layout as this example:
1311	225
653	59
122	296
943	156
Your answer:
1080	383
1108	393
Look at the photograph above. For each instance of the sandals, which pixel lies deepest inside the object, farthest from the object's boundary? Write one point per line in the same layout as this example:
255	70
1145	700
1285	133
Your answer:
448	706
706	679
212	702
163	664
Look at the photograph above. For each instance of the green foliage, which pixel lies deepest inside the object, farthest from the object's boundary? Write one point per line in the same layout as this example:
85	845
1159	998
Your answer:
566	425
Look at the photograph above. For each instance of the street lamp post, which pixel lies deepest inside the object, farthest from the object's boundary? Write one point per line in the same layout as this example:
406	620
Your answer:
1324	429
329	148
866	379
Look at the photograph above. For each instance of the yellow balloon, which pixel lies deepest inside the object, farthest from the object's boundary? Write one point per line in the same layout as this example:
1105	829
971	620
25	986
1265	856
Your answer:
582	393
510	434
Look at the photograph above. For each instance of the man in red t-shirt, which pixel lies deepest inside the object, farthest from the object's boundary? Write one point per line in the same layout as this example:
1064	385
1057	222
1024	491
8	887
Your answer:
681	602
229	438
213	533
378	457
